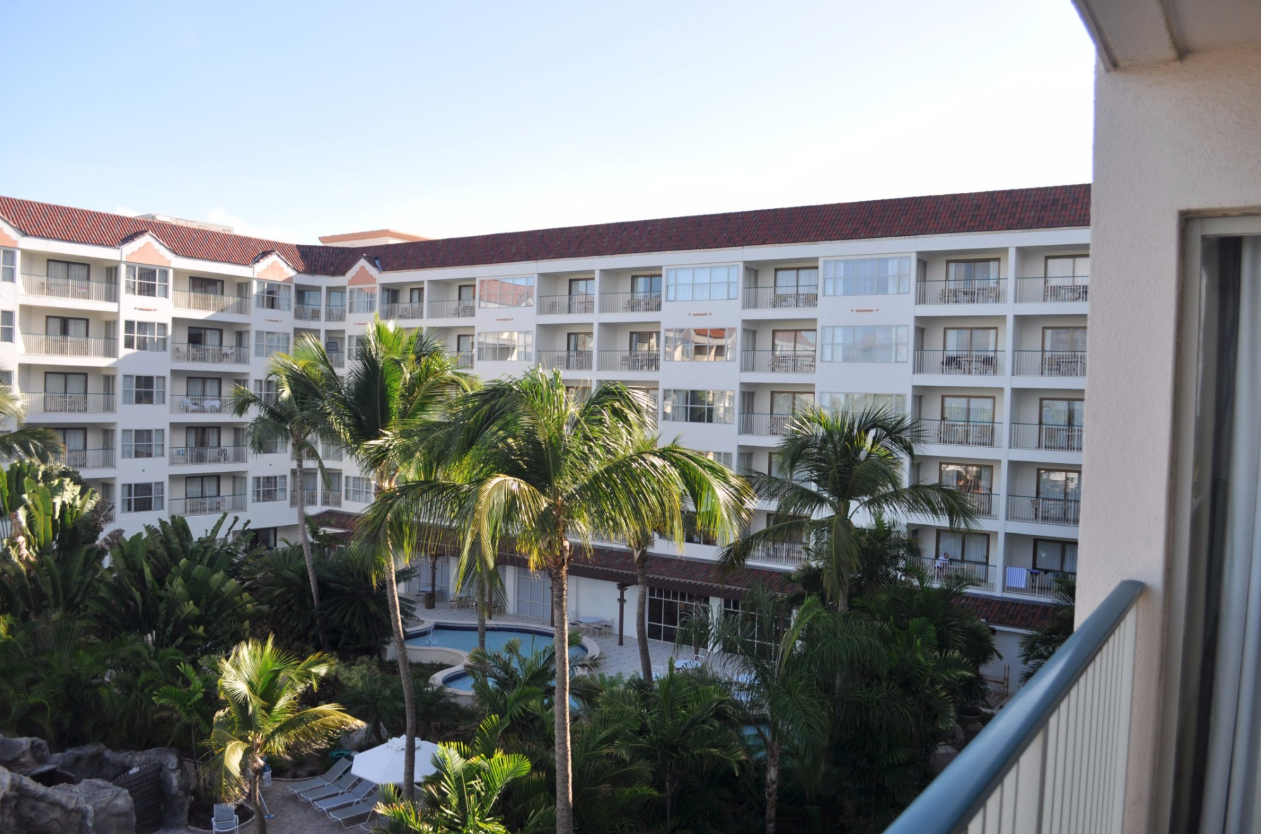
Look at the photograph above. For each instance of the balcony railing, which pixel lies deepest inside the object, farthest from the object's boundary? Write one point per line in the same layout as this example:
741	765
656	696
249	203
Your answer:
308	497
42	403
1053	438
463	359
336	358
1059	363
332	498
87	458
766	425
211	302
790	554
630	302
403	310
1055	758
561	305
1030	581
193	455
335	312
961	292
962	433
201	404
208	504
69	288
960	362
630	360
210	354
1052	290
39	343
1066	511
775	298
778	361
979	574
566	360
458	309
306	312
982	502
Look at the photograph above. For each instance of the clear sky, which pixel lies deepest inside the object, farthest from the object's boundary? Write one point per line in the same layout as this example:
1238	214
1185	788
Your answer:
293	120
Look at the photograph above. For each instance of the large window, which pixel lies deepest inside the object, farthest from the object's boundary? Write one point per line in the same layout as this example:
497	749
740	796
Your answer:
363	300
144	390
270	488
145	335
143	498
973	273
65	326
61	274
971	339
963	409
534	594
684	406
963	547
506	292
144	443
9	265
1052	554
700	344
359	489
968	477
865	343
702	283
148	281
1064	339
867	276
668	611
6	326
270	342
506	346
273	296
205	286
836	401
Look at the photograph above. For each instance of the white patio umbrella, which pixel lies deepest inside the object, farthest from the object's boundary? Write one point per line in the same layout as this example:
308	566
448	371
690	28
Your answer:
384	764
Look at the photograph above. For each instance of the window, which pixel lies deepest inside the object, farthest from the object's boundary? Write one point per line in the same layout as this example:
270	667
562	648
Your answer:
62	273
646	286
270	488
148	281
6	326
9	265
64	326
534	594
464	343
865	343
146	335
683	406
359	489
968	477
505	292
693	535
793	341
201	486
466	294
6	378
269	343
363	300
793	282
712	344
967	409
143	498
1067	270
273	296
1051	554
144	443
963	547
1064	339
867	276
721	457
582	288
205	286
1059	485
352	346
983	273
845	401
144	390
205	336
668	611
788	403
506	346
971	339
702	283
266	390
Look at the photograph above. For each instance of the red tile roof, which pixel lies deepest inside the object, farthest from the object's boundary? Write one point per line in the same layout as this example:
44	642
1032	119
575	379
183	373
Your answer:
1008	612
1053	207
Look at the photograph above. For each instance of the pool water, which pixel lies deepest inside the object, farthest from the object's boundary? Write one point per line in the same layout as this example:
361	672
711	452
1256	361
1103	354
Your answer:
465	640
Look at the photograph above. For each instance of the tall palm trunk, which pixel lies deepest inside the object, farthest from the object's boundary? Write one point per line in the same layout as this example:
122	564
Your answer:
772	784
405	672
640	558
560	641
256	799
482	593
304	536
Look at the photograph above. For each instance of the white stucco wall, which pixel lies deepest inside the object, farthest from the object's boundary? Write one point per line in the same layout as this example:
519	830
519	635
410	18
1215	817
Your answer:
1169	139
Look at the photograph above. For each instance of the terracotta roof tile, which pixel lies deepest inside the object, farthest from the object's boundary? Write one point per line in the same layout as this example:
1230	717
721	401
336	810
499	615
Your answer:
1009	612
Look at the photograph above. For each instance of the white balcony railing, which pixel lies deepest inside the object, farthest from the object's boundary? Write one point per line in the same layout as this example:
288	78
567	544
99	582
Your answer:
961	292
1052	438
403	310
307	497
306	312
630	302
978	574
195	455
335	312
1054	363
463	359
560	305
777	298
630	360
211	302
44	345
962	433
1030	581
789	554
960	362
778	361
201	404
87	458
1052	290
208	504
1065	511
566	360
766	425
210	354
458	309
50	403
77	290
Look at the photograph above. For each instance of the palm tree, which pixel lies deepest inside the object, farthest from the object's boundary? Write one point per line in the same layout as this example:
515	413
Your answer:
37	442
188	706
398	381
263	690
479	575
551	471
289	416
1037	646
836	468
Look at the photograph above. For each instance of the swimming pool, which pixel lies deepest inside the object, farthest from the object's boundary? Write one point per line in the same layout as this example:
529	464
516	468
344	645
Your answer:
464	639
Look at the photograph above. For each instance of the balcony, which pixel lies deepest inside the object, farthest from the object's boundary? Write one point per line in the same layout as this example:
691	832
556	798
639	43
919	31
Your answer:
42	345
307	497
211	302
396	311
463	359
1055	757
208	504
1031	582
978	575
566	360
201	404
960	362
335	312
59	403
306	312
1050	363
332	498
1052	290
774	298
1062	511
982	503
788	554
766	425
336	358
778	361
630	360
961	292
459	309
962	433
210	354
1051	438
47	287
268	301
87	458
630	302
566	305
328	452
196	455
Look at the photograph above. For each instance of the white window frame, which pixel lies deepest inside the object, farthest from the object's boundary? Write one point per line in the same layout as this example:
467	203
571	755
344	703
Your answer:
158	390
271	295
270	342
9	265
850	344
885	275
703	283
699	344
361	300
268	488
492	292
155	444
359	489
160	282
133	339
678	405
156	497
8	328
518	344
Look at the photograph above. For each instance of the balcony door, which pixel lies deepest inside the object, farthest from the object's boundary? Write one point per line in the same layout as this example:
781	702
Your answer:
1059	496
1060	423
205	286
464	343
205	337
793	341
205	386
646	286
65	391
466	294
967	420
962	340
201	437
65	326
582	288
796	287
968	477
784	404
76	443
1064	339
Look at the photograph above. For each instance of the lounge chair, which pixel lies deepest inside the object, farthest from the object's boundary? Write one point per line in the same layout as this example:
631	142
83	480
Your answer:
340	786
225	819
350	797
334	773
349	812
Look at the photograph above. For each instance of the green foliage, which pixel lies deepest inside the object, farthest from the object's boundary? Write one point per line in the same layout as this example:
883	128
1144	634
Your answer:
189	705
1037	646
372	696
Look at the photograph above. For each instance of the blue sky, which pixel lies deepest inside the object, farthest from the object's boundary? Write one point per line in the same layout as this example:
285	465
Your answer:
293	120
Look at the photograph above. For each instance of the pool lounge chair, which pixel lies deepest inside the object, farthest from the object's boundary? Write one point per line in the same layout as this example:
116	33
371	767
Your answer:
350	797
349	812
340	786
225	819
334	773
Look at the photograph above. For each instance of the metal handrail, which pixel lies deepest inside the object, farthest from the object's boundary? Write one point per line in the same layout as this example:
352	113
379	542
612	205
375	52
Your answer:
777	298
566	360
559	305
961	792
971	291
46	345
211	302
210	354
76	288
630	302
452	308
778	361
